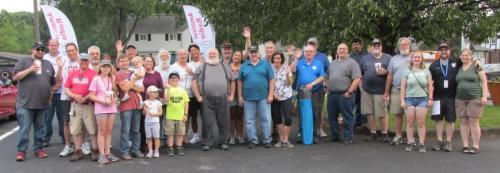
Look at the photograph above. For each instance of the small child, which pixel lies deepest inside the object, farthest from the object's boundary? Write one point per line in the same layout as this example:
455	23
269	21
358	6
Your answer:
177	111
137	71
152	111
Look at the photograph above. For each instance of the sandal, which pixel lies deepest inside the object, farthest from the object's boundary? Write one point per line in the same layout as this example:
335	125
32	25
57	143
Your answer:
465	150
474	150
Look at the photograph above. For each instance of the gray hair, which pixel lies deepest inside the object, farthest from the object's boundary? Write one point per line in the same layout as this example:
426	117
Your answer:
93	47
158	56
399	43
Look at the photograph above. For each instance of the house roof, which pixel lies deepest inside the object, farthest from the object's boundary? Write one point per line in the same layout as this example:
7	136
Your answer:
156	24
8	59
480	48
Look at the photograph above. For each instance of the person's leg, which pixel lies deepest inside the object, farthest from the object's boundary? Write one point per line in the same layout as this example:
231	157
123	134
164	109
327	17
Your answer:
209	121
178	140
135	131
142	146
170	141
317	99
398	121
47	127
250	109
65	108
421	113
38	123
91	126
109	132
395	108
357	108
475	131
286	109
24	120
264	112
371	123
240	127
222	119
410	119
232	123
276	114
439	130
101	132
333	112
125	118
346	108
464	130
368	109
450	127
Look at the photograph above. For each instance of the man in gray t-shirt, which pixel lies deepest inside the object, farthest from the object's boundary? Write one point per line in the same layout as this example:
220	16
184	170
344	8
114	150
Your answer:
342	81
35	77
213	85
397	66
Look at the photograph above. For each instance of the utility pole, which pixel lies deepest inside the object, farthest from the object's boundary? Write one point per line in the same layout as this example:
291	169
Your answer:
37	23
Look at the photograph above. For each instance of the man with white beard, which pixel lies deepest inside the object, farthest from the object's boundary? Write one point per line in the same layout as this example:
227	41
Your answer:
213	85
398	64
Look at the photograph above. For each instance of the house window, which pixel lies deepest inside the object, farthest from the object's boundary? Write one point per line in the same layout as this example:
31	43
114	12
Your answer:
166	37
143	36
136	37
172	37
179	36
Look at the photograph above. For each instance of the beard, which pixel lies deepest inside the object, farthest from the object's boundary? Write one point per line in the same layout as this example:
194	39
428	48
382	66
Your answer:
213	61
404	52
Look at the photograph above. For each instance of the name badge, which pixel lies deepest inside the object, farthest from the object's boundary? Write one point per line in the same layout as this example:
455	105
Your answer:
445	85
453	65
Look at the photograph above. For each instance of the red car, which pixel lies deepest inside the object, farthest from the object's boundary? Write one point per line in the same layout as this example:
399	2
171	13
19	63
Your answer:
8	88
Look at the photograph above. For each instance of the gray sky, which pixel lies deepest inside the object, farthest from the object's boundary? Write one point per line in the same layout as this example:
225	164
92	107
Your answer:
16	5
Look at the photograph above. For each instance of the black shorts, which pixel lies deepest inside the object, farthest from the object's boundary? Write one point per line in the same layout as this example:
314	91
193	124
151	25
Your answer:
447	111
65	106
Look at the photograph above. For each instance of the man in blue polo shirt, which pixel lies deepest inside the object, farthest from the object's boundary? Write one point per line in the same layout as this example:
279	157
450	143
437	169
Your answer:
310	75
255	89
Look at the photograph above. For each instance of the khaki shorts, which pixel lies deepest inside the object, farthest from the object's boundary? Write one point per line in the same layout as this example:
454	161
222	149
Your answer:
469	108
175	127
80	116
395	102
373	104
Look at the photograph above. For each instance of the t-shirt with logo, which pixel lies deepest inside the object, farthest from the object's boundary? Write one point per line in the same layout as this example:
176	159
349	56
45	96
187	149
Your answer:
79	81
175	106
68	68
103	88
154	108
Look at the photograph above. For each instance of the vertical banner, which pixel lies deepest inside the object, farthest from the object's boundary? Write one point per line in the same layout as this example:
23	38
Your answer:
201	31
60	27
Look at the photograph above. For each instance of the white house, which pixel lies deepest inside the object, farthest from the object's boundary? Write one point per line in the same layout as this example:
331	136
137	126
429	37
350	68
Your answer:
159	32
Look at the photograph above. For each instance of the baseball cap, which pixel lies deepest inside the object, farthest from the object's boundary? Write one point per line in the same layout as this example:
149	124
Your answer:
376	41
84	56
313	40
226	44
106	62
173	74
254	48
38	45
443	45
152	88
131	46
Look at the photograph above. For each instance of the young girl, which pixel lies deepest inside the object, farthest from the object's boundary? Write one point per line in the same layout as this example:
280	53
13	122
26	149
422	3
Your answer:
102	92
416	96
137	70
153	111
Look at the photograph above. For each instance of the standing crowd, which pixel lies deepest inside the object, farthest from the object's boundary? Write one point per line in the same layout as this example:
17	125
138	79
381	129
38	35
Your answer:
158	100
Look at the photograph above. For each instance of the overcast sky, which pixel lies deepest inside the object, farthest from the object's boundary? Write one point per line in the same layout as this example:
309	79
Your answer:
16	5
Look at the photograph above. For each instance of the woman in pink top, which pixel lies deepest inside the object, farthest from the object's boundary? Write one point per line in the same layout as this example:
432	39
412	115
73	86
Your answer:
102	92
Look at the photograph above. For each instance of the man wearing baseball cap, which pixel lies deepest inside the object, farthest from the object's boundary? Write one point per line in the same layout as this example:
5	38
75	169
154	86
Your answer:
35	77
443	72
227	52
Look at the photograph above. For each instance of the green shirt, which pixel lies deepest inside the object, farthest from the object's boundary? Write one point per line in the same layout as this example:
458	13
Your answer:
416	82
468	84
178	97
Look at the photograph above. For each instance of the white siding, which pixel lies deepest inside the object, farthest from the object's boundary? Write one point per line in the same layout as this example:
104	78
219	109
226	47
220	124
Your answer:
145	47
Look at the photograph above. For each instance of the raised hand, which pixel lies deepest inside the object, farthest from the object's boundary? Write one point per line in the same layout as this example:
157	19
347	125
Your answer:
60	62
246	32
298	53
119	46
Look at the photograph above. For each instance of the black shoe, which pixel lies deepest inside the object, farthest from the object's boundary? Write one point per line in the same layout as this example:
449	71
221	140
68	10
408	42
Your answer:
45	143
334	140
180	151
205	147
171	152
385	138
224	147
439	146
373	136
251	145
299	140
315	140
268	145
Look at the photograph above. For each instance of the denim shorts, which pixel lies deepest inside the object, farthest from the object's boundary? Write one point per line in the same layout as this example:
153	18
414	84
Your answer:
416	101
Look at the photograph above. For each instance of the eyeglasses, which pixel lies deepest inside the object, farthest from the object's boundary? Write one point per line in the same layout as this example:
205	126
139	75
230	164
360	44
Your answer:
40	49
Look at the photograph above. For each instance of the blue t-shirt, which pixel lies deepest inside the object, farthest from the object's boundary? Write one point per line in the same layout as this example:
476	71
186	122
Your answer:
321	57
255	79
307	73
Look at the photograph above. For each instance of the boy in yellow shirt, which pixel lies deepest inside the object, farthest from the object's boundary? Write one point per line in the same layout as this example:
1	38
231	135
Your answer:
177	110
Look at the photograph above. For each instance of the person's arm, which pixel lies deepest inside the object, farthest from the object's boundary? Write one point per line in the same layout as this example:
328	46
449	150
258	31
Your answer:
430	90
353	87
78	98
186	109
293	66
22	74
196	90
232	86
247	33
270	95
484	85
315	82
388	85
119	48
403	93
240	92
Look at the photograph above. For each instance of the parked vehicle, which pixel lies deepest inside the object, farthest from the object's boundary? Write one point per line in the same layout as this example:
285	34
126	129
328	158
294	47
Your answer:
7	93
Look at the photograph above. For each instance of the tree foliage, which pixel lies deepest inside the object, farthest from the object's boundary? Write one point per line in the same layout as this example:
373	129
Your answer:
16	32
293	21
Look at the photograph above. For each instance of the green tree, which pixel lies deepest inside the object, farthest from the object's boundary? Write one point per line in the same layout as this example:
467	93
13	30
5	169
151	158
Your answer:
16	32
428	21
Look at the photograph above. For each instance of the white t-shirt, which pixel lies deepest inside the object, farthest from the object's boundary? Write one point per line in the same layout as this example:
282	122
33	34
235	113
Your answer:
154	107
136	71
52	60
68	67
185	78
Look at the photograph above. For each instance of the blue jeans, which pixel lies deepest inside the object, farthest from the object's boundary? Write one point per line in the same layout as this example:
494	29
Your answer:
261	108
338	103
130	125
55	107
25	118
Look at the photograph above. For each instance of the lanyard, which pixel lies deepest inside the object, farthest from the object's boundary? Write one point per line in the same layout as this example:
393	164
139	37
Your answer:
445	71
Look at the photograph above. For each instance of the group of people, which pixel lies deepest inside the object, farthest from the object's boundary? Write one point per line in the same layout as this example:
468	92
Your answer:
157	100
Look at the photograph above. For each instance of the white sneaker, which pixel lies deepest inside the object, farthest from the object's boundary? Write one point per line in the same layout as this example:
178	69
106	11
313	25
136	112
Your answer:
322	133
156	154
86	148
241	140
232	141
195	139
149	155
66	151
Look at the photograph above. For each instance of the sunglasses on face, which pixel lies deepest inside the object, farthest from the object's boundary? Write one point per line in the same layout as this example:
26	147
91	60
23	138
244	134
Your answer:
40	49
